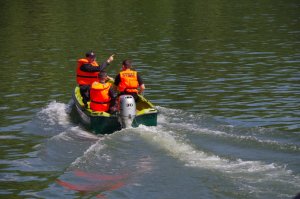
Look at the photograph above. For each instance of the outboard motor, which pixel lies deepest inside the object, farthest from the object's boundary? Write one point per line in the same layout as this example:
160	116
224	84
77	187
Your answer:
127	110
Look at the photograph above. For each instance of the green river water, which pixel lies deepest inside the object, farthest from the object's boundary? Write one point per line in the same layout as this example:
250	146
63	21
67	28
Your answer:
224	75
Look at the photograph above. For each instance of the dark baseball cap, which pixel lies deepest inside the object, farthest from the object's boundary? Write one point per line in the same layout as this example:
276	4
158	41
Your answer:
90	54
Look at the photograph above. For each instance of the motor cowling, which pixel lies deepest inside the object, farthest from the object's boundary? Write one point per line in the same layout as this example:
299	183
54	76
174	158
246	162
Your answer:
127	110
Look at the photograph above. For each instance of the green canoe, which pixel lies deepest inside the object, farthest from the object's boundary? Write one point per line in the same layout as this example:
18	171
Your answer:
106	123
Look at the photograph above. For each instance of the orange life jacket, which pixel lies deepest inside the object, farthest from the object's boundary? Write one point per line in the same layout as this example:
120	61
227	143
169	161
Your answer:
128	81
86	78
99	95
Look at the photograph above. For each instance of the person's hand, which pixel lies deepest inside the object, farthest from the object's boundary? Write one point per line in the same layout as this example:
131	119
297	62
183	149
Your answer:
111	58
141	92
110	78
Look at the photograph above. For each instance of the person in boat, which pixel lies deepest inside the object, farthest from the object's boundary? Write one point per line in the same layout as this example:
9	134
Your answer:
102	94
87	72
128	81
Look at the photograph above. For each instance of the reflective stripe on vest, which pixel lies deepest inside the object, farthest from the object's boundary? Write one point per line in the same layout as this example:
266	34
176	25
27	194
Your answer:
86	78
128	81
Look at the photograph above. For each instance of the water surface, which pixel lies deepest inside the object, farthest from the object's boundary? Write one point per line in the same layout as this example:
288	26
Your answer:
224	76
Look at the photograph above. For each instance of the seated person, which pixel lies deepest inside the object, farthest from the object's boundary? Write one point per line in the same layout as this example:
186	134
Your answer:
102	94
87	72
129	81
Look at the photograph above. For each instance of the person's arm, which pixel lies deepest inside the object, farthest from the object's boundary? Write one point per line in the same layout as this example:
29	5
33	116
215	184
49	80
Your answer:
140	80
142	88
116	83
107	62
103	65
90	68
141	84
113	101
112	93
117	80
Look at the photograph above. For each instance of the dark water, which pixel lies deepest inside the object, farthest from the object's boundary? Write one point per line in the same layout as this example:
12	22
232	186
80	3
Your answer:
225	77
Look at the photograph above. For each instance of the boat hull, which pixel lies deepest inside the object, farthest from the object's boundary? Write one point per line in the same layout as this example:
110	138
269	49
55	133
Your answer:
105	123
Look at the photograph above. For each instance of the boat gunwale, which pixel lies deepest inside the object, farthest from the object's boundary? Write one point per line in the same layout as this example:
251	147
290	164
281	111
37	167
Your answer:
90	112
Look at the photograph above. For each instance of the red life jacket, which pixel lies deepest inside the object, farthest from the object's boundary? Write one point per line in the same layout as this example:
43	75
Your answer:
129	81
86	78
99	94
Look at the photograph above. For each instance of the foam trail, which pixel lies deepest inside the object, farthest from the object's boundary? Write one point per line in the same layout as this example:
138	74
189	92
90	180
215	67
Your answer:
74	133
238	138
55	113
180	149
244	174
91	151
196	128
